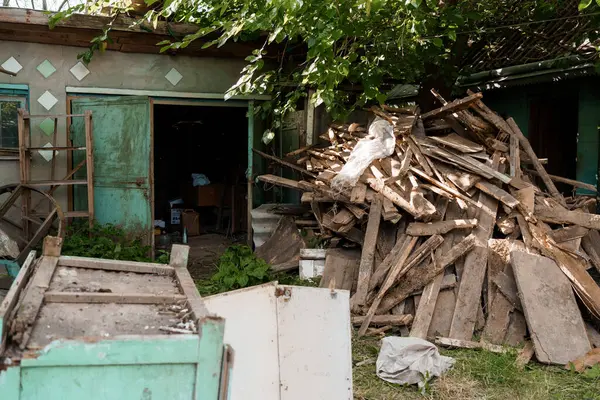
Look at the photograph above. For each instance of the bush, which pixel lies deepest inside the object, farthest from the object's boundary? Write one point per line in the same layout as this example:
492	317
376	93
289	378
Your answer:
106	241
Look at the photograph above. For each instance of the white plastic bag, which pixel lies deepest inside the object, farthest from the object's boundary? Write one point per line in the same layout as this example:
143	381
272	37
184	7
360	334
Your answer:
409	360
380	143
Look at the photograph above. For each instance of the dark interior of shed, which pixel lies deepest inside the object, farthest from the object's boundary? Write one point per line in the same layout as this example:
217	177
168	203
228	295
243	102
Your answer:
206	140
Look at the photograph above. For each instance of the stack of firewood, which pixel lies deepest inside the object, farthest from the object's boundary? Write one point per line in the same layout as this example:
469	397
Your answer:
445	224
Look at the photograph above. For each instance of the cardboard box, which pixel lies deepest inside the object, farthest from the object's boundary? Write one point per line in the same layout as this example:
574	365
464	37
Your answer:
206	196
190	220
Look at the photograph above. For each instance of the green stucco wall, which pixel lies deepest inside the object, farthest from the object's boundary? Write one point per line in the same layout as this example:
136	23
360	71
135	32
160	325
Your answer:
510	102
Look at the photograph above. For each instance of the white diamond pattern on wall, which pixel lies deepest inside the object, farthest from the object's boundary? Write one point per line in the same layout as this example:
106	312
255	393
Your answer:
47	154
12	65
174	76
46	68
80	71
47	100
47	126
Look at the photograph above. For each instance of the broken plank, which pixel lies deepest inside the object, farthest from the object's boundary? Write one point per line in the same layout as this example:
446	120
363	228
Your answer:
574	267
475	265
368	253
553	317
116	298
456	105
499	194
467	344
380	187
279	181
284	163
591	245
187	286
515	157
508	287
396	272
427	305
569	233
458	143
439	227
399	254
538	166
12	297
445	187
32	302
574	183
115	265
358	193
498	320
560	215
341	268
418	277
396	320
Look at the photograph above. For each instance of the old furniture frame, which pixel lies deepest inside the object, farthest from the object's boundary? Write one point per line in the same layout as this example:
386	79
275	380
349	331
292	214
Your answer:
153	366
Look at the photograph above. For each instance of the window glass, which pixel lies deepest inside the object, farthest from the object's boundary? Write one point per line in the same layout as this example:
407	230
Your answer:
9	135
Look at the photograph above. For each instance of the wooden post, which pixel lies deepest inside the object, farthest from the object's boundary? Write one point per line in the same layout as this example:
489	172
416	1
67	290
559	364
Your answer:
250	172
89	151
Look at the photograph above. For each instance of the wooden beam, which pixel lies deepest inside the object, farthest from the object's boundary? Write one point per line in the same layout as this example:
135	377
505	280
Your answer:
116	298
179	261
569	233
116	265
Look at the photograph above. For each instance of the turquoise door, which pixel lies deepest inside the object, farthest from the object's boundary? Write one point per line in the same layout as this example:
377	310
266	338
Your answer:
122	149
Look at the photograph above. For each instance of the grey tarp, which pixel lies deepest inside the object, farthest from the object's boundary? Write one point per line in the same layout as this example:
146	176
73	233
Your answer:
408	360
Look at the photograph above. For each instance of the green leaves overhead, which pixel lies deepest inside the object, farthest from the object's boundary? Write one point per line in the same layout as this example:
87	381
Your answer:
330	46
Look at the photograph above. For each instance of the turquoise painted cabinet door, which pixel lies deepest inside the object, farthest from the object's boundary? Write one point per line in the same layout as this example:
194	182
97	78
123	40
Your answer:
122	148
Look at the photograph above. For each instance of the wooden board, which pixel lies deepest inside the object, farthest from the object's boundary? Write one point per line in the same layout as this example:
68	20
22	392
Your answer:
341	269
368	253
472	277
552	314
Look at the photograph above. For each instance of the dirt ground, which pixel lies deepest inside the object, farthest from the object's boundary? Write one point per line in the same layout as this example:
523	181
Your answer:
205	250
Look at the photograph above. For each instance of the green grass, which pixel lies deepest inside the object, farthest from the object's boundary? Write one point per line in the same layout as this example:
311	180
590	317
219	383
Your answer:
476	375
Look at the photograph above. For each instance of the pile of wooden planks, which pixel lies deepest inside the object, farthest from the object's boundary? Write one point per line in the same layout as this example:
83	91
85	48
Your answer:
451	226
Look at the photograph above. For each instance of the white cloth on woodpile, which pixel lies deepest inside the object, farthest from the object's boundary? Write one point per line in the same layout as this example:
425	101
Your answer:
409	360
380	143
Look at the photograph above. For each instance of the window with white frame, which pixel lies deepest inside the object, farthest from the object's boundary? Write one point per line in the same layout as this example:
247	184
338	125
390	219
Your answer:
9	134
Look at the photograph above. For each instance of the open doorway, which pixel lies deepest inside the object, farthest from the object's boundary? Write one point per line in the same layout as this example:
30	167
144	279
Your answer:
553	125
200	161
